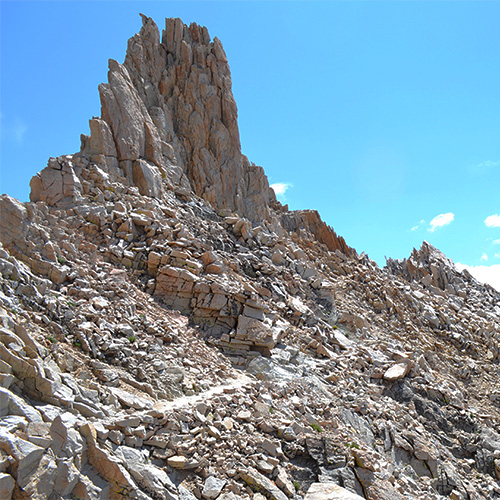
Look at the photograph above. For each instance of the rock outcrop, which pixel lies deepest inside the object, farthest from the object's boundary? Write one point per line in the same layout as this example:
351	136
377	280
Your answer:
169	330
167	113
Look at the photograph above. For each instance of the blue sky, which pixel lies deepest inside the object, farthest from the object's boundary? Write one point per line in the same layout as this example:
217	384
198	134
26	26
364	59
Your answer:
380	115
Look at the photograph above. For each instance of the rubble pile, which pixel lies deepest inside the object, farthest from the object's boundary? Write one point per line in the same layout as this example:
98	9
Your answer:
168	330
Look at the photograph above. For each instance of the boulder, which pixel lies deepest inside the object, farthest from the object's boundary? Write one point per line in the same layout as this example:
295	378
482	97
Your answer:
57	184
147	178
329	491
7	483
397	371
212	487
260	483
26	456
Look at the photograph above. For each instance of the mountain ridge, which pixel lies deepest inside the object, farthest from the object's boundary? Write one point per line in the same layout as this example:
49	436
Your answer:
156	265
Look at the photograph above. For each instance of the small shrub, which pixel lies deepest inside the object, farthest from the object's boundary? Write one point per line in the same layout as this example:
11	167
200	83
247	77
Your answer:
335	327
316	427
50	338
132	338
352	445
296	485
77	343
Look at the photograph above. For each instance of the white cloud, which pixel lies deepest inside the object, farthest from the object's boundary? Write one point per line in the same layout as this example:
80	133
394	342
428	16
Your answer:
414	228
484	257
492	220
19	130
13	129
441	220
485	274
497	255
488	164
496	242
280	188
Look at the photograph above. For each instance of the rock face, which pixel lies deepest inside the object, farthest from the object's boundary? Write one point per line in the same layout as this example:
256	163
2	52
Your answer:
168	112
168	330
311	221
431	268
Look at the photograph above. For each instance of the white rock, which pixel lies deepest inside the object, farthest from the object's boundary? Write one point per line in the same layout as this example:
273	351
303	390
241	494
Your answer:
397	372
212	487
329	491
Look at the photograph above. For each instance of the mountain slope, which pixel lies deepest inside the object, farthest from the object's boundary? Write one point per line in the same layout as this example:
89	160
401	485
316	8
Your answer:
169	330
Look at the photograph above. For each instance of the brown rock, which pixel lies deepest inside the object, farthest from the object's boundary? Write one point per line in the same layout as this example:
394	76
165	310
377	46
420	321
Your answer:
101	140
147	178
108	466
13	220
57	184
311	221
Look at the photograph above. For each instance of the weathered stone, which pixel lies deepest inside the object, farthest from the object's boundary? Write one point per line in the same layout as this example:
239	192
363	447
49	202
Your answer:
130	400
244	415
228	423
329	491
26	455
177	462
284	484
67	477
108	466
212	487
56	184
13	220
41	483
161	186
7	484
11	404
133	130
147	178
185	494
66	440
153	479
101	140
397	372
260	483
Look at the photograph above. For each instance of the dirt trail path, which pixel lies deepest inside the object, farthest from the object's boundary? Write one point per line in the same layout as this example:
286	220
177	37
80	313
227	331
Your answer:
242	380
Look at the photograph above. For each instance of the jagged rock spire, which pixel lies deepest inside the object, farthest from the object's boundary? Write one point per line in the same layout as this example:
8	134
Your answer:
169	119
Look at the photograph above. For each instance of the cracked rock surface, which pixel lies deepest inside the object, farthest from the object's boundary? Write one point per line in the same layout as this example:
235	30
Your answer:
169	331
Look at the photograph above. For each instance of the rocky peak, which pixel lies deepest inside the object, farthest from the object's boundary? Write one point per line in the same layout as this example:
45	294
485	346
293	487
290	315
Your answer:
424	265
169	120
152	345
430	267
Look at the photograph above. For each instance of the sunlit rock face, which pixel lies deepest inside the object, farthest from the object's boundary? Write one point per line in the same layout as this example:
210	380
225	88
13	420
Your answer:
171	107
169	330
